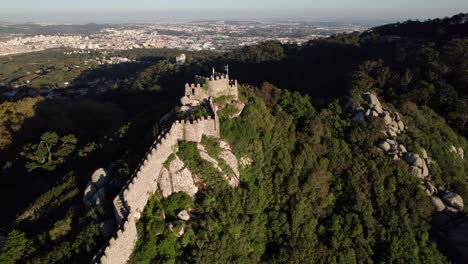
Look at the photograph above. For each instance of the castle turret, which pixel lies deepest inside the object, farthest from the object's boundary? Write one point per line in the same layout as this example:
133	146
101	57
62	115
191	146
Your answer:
214	86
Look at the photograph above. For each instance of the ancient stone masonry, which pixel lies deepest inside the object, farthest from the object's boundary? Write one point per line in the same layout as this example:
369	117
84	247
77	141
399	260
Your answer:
215	86
419	165
131	201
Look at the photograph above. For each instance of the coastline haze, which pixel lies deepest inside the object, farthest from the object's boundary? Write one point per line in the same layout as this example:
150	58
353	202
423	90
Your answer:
364	15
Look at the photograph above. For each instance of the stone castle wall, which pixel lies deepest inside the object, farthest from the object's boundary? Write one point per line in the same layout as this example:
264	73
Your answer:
213	86
131	201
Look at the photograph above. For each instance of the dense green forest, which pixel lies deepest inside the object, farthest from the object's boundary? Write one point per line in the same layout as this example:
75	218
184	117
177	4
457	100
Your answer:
317	191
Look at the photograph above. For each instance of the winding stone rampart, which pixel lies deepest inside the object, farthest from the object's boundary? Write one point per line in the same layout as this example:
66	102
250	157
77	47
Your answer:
132	199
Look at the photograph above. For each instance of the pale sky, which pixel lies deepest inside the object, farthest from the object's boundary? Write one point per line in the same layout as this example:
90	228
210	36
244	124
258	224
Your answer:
314	10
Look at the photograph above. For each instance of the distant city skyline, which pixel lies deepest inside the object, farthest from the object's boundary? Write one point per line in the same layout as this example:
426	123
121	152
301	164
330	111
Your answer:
115	11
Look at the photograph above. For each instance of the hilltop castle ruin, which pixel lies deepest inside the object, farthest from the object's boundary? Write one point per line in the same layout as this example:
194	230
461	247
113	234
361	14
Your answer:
216	86
132	199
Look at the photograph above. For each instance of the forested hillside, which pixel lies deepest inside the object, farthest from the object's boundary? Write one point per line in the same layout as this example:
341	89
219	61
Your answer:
316	188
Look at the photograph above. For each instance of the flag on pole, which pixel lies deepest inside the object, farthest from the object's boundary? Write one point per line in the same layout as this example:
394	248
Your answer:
226	69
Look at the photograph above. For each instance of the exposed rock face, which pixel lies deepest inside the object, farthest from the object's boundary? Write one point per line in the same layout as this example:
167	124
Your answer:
461	153
392	120
384	145
178	233
204	155
94	193
439	206
100	177
419	165
231	161
89	192
458	151
227	156
183	215
164	182
454	200
245	161
177	179
430	188
373	102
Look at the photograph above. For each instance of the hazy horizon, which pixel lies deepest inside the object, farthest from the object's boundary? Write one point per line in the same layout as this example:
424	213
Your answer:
350	11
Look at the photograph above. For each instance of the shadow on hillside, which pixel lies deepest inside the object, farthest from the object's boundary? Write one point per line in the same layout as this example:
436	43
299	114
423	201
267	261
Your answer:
321	70
91	119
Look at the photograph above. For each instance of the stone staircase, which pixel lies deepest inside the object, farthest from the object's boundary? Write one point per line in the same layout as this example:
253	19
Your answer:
121	210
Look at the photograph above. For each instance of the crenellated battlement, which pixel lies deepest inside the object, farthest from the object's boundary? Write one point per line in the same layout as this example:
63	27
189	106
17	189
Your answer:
132	199
214	86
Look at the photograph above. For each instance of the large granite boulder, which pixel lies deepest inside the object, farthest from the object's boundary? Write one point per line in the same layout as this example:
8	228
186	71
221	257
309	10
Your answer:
458	151
430	188
402	148
454	200
100	177
424	169
401	126
228	157
397	116
424	153
245	161
417	172
177	178
232	162
387	117
384	145
373	101
184	215
164	182
89	193
413	159
439	206
177	230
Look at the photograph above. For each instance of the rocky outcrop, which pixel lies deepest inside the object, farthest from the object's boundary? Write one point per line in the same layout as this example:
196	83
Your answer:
228	157
419	165
177	178
184	215
245	161
454	200
439	206
178	231
392	120
100	177
95	191
458	151
231	160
